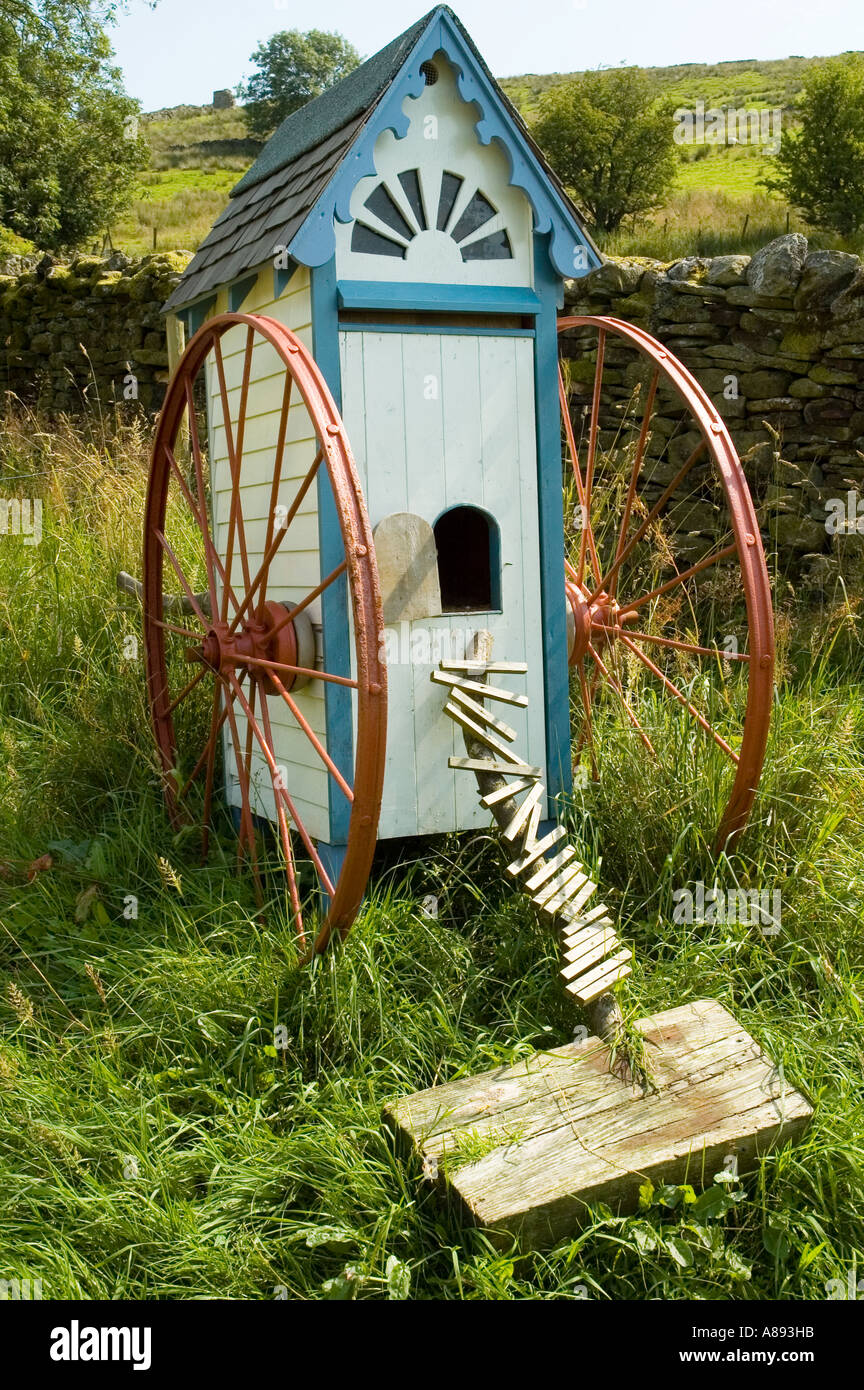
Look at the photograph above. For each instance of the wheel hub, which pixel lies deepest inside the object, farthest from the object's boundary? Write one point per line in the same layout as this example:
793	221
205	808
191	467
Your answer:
264	637
594	620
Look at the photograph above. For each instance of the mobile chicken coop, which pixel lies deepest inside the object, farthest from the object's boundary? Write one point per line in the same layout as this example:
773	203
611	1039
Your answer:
389	272
355	538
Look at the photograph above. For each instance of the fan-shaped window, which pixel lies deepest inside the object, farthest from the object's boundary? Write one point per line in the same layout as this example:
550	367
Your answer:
469	561
402	211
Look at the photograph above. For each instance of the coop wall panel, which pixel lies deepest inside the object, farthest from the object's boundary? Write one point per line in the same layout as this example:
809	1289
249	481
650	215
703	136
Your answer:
296	569
438	421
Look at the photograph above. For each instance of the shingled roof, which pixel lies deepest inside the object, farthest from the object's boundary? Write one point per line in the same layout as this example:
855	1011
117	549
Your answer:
271	201
274	197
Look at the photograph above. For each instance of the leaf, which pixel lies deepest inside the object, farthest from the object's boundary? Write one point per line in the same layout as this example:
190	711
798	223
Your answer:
736	1265
646	1194
69	851
680	1251
337	1239
100	914
645	1237
345	1286
775	1238
713	1202
39	866
398	1279
85	901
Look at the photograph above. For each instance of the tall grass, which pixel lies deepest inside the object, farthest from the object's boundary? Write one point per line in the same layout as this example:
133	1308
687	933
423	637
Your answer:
155	1142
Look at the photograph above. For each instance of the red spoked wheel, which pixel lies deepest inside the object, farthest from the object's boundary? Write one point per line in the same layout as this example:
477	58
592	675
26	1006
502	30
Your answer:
666	582
233	595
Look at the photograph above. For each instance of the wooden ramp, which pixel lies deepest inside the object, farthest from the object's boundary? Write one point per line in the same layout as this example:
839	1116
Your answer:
522	1149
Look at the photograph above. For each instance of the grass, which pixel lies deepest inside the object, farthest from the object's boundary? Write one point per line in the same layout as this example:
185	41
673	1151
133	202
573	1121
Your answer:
176	210
155	1142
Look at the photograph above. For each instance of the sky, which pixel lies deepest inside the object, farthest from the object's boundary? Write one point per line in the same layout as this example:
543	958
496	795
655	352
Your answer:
181	50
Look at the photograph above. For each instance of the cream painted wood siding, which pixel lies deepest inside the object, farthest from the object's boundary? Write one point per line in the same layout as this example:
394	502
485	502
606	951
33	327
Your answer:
436	421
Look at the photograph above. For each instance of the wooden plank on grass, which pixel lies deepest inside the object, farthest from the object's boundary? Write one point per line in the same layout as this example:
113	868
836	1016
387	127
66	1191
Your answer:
561	1131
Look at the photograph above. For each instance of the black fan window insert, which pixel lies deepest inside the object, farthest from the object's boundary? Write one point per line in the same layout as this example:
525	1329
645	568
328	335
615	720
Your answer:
407	217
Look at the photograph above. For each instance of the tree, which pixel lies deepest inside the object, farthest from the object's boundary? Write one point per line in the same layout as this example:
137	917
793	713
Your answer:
609	137
293	67
69	144
821	167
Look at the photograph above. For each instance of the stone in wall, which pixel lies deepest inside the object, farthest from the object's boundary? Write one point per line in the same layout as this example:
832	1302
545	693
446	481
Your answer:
777	341
91	328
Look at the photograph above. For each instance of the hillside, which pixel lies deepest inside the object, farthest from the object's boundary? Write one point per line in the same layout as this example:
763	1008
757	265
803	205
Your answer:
718	205
745	82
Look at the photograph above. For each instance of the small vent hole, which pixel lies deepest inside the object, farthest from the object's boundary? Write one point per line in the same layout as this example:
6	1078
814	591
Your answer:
430	72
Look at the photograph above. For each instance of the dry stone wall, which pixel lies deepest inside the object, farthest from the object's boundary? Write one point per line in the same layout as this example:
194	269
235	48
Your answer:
91	328
777	341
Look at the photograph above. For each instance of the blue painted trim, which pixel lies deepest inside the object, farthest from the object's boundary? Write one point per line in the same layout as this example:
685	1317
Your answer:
281	276
339	720
439	299
332	857
240	290
556	675
193	315
571	249
466	330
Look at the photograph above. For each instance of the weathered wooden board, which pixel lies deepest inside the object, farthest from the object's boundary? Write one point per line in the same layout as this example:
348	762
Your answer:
563	1131
407	568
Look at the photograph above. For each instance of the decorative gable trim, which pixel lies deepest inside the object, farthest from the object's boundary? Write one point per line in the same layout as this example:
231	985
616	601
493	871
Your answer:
570	248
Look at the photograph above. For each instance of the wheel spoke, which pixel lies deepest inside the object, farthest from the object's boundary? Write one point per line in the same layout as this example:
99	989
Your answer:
588	724
201	514
671	642
201	522
180	631
284	833
274	542
196	607
682	578
246	808
592	447
577	473
235	514
652	516
187	690
312	737
623	698
214	730
634	475
310	598
277	470
292	811
216	722
680	697
300	671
